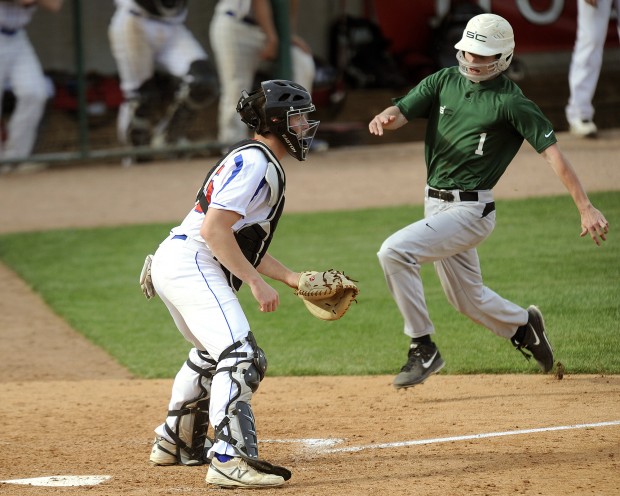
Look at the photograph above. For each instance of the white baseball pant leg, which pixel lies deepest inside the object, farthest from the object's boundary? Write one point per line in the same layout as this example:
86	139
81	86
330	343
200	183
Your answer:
208	314
447	236
587	59
304	68
236	46
20	65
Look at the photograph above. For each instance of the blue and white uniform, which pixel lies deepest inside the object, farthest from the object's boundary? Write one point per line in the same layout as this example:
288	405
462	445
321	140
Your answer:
195	288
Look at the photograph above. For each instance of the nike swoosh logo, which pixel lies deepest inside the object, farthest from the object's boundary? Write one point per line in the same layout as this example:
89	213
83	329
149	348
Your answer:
427	364
536	336
548	134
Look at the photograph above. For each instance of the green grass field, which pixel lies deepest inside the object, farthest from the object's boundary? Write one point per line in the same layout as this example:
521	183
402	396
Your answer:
535	256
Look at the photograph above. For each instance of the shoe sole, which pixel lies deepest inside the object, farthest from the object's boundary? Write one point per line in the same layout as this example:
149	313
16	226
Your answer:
225	482
535	314
437	366
160	464
195	463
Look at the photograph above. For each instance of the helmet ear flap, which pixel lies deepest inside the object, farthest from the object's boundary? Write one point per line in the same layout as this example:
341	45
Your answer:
246	110
504	62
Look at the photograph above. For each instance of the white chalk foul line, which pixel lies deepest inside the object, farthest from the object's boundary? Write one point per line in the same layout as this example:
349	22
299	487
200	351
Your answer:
61	480
469	437
312	443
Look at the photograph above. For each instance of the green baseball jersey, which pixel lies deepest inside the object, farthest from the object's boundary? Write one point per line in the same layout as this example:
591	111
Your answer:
474	129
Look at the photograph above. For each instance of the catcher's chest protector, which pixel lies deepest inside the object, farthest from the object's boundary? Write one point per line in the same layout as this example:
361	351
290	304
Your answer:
253	239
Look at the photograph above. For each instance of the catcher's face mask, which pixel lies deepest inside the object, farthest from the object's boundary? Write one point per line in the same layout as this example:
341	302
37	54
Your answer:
301	129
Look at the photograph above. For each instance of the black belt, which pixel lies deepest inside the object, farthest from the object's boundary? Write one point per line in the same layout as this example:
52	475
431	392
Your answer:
144	15
444	195
8	31
463	196
246	19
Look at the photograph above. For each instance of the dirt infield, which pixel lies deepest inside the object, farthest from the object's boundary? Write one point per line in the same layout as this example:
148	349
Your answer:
69	410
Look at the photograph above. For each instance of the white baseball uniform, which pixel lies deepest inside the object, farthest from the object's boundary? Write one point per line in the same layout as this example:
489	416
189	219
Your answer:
21	71
194	287
587	59
237	41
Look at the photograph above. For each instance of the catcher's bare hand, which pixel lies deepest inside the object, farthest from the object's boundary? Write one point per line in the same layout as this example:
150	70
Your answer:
268	298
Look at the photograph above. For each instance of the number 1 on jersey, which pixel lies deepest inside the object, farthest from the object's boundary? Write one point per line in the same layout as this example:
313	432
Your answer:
479	151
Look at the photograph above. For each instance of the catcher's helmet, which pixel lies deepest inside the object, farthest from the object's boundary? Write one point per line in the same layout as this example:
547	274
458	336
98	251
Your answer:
273	108
486	34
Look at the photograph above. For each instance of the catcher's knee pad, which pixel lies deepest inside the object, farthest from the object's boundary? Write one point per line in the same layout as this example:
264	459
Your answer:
200	86
238	427
195	90
139	113
190	432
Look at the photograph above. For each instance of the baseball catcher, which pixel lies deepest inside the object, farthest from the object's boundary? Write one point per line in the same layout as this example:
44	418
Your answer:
222	243
327	295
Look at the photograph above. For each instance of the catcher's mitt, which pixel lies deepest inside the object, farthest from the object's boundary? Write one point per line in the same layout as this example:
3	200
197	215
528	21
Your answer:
327	295
146	283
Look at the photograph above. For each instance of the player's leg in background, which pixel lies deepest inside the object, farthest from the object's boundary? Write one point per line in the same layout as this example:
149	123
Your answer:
30	89
304	67
134	56
236	46
304	70
585	66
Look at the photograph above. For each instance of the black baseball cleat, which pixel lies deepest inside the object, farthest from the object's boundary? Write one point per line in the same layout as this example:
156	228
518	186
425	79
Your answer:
424	360
535	340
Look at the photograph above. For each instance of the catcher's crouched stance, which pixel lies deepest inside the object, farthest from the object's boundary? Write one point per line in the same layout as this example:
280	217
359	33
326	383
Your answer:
197	270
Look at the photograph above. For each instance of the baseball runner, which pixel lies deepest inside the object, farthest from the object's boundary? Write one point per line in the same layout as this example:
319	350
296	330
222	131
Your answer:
196	271
587	59
149	34
243	36
477	121
21	69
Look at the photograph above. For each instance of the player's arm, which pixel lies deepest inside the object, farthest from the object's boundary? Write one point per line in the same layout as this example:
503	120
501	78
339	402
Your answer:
297	40
592	221
274	269
264	18
391	118
51	5
217	231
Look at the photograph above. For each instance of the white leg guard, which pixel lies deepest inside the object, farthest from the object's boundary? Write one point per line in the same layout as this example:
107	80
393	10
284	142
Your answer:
238	428
190	432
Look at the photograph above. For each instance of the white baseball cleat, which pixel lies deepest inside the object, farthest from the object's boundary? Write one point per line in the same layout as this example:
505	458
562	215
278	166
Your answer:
164	453
237	473
582	128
